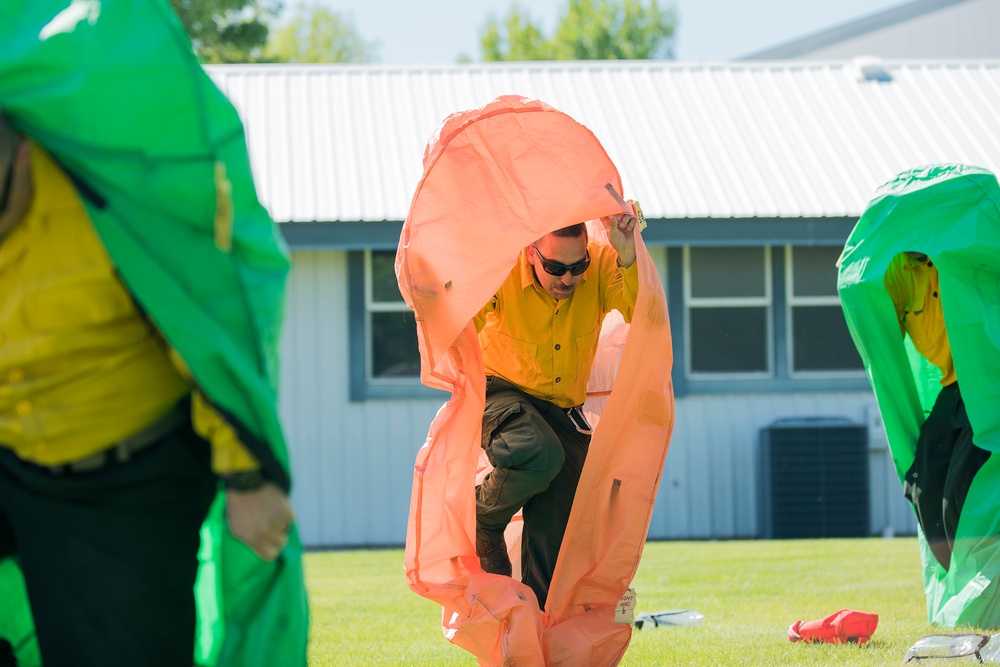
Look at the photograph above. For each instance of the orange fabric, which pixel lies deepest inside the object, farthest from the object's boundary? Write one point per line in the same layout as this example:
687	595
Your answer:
495	180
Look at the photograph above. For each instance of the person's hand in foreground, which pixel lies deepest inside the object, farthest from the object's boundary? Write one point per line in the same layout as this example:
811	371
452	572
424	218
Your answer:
260	518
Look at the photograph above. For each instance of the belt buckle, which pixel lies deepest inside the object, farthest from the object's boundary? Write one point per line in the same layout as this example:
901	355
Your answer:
579	421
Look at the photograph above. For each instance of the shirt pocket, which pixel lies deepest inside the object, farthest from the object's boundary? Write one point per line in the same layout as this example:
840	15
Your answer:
494	419
520	360
77	305
586	347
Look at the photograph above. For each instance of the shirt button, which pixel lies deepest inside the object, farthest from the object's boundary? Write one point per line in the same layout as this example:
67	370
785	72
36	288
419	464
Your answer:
557	346
16	375
935	294
24	408
558	379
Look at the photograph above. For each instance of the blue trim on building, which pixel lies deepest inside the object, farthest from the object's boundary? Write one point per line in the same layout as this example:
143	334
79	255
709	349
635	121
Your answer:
779	313
382	235
675	311
697	232
706	232
356	324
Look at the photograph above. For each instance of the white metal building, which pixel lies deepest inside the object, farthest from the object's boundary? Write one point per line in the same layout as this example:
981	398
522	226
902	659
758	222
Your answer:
751	175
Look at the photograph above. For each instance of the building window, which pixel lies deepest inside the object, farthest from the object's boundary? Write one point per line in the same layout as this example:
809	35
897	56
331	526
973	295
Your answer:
391	325
385	359
728	300
818	338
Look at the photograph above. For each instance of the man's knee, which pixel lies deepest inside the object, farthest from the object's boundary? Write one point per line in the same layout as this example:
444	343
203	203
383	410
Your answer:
524	441
546	455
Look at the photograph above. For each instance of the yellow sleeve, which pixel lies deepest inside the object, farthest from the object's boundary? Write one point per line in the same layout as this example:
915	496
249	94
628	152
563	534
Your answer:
229	455
480	318
622	289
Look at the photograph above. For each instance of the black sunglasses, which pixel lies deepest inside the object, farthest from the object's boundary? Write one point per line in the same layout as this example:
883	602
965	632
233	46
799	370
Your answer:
557	268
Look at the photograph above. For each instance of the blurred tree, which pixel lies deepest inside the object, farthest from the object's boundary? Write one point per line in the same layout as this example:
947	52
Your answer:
589	30
517	39
314	34
227	31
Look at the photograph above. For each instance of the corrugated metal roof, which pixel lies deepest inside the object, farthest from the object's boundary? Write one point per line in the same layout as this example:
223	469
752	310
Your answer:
780	139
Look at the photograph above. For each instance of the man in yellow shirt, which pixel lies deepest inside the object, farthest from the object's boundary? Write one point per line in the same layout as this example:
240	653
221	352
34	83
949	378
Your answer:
106	471
539	336
946	458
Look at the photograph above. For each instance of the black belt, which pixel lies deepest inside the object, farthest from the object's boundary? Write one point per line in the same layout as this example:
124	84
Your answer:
125	449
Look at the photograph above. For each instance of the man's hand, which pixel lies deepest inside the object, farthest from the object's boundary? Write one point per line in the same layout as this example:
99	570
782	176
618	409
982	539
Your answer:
260	518
621	231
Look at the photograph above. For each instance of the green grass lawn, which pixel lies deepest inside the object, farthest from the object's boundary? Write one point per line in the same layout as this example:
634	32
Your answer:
363	613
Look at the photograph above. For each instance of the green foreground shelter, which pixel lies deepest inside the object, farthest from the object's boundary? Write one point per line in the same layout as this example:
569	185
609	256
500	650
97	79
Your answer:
113	92
952	214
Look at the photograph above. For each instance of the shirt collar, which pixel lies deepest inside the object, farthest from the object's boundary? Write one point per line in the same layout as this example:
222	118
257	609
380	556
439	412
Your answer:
51	192
911	263
527	271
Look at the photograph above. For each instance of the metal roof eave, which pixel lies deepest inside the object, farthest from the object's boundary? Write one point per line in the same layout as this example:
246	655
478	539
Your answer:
699	232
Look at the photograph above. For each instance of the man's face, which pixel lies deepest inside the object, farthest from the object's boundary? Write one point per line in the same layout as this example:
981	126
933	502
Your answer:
567	251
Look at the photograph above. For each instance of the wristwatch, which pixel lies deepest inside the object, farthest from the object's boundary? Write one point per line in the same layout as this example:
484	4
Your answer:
246	480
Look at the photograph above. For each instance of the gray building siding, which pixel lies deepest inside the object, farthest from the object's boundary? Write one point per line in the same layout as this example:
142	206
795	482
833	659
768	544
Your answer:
710	485
352	462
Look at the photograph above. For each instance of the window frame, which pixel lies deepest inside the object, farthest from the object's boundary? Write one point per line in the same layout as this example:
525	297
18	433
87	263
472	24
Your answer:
361	305
767	301
676	281
792	301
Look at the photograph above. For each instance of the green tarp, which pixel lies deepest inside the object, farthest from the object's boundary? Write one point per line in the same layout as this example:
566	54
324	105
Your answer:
952	214
113	91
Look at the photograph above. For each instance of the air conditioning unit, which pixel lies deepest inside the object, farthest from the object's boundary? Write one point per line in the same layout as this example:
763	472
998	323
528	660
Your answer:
813	476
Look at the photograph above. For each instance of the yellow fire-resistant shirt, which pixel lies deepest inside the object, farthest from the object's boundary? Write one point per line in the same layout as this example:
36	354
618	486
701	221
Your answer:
546	346
913	286
80	368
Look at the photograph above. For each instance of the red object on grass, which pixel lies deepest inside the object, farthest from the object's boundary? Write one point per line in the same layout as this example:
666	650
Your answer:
842	627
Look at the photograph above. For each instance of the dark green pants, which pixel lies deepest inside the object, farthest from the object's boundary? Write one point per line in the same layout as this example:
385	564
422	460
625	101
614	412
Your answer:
110	556
944	466
537	455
